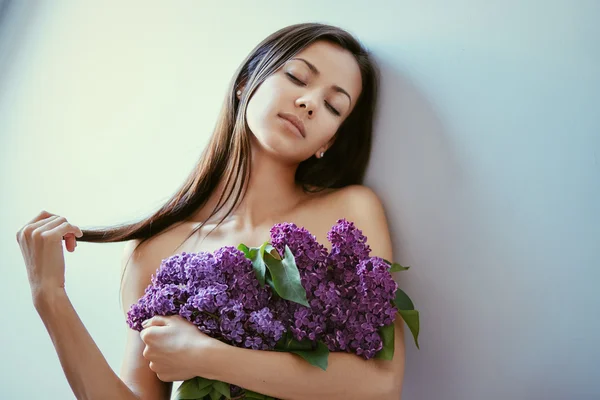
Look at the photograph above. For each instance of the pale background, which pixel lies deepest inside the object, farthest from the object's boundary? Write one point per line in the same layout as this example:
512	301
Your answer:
486	158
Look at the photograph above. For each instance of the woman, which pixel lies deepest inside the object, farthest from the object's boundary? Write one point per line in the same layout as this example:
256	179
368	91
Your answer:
291	145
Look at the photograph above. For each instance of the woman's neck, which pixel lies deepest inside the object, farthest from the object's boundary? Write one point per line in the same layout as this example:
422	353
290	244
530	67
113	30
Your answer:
271	192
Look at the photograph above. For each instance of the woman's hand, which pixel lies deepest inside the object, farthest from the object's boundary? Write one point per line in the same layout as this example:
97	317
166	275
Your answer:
177	349
41	245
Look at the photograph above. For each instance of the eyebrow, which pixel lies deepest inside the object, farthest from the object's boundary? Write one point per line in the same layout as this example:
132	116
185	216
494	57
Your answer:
316	72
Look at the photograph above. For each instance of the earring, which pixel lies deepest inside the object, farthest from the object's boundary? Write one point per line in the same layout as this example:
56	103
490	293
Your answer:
322	154
239	92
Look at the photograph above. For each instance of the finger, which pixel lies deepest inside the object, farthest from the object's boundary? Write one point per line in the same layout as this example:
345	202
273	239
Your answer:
49	224
144	334
29	229
152	366
58	229
146	352
70	241
149	334
53	222
157	320
42	215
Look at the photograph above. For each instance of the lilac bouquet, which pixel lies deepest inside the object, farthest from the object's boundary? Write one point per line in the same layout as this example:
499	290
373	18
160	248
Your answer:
290	294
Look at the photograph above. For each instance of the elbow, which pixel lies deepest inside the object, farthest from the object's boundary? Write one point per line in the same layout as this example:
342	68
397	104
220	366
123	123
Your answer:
391	387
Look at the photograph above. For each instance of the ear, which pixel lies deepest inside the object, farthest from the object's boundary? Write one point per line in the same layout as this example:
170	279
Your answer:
239	96
321	150
324	148
240	87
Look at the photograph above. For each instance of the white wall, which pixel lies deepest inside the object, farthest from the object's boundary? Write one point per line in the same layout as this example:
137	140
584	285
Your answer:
486	157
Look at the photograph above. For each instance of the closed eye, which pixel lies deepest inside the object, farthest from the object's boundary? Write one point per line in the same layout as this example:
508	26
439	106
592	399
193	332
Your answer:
299	82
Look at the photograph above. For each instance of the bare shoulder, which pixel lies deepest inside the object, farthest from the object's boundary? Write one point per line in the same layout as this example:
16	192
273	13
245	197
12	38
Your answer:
363	206
355	197
140	260
136	268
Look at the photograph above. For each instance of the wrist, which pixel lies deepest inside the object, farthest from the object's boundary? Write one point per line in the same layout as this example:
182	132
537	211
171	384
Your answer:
44	297
213	360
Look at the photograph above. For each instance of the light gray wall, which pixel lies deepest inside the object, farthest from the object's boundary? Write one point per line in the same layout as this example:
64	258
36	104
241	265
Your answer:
486	158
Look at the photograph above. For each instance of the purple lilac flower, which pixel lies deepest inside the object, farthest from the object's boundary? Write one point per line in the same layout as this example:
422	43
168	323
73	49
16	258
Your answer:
348	244
218	292
269	329
348	248
356	322
377	288
350	293
235	390
360	295
311	260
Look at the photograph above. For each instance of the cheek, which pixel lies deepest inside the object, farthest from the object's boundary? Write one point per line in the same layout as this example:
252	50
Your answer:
262	107
327	129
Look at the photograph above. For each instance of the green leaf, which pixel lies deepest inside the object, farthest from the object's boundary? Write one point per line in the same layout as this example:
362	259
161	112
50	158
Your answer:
272	251
253	395
269	281
187	390
244	249
222	388
315	353
205	391
286	277
387	337
317	357
190	389
411	317
395	267
215	395
406	309
203	382
402	301
256	255
287	343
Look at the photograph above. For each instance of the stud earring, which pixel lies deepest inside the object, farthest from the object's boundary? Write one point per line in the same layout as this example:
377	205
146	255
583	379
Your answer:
239	92
322	154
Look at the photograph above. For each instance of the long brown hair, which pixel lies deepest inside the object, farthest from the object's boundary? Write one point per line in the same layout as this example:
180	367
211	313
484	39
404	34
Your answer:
227	155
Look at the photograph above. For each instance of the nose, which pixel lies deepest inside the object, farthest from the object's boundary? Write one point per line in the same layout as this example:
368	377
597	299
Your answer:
307	105
310	111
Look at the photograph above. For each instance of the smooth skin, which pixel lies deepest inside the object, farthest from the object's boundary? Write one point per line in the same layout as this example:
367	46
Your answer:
172	349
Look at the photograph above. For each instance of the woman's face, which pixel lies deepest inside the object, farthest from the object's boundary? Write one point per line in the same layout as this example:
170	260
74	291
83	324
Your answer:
319	86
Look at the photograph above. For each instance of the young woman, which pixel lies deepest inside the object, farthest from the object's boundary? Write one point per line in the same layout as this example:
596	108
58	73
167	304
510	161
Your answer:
291	144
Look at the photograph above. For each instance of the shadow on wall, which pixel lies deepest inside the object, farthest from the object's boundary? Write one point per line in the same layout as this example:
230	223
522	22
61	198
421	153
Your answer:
414	161
414	167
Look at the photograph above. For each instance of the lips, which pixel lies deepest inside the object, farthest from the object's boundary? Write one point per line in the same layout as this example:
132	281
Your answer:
297	122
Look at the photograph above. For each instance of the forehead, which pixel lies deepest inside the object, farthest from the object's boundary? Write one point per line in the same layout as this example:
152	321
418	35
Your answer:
336	65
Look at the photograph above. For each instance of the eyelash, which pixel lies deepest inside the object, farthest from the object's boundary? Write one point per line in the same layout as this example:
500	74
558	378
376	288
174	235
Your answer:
298	81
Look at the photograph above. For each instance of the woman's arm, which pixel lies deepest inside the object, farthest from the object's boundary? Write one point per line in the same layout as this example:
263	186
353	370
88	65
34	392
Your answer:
135	370
287	376
348	376
87	371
